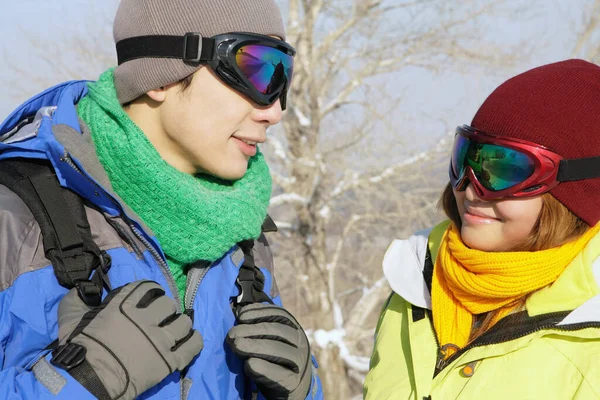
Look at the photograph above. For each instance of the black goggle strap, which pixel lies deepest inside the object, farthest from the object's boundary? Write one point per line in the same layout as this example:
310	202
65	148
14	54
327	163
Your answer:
578	169
283	95
192	48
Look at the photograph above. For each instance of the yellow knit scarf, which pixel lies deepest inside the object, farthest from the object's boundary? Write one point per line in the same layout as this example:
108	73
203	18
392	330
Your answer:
468	281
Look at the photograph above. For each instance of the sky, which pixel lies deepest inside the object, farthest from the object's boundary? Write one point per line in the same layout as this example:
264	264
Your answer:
432	100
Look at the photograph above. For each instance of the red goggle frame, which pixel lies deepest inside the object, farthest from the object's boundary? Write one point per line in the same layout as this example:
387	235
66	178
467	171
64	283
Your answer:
526	169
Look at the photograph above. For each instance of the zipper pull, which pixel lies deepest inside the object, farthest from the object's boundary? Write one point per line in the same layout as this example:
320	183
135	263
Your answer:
445	353
440	363
190	313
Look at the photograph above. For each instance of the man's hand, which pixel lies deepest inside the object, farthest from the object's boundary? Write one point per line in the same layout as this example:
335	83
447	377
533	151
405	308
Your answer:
128	344
275	350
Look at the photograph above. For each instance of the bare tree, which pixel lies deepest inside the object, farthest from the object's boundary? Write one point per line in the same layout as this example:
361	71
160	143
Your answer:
338	211
588	40
77	51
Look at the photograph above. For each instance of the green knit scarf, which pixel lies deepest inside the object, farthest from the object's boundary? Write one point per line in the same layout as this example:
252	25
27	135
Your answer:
194	217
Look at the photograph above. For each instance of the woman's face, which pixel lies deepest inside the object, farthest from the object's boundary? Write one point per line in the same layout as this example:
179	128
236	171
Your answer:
496	225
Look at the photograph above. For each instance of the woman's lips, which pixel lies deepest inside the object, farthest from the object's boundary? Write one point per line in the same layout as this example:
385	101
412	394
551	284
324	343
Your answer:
472	216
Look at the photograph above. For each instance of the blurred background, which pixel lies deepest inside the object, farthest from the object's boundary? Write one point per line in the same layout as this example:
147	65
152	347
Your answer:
362	155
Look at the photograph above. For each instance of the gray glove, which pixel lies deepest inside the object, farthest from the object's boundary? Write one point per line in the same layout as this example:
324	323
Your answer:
128	344
275	350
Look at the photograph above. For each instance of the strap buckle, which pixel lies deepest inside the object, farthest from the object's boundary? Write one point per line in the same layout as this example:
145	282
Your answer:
250	280
192	41
89	292
69	356
246	293
251	284
105	262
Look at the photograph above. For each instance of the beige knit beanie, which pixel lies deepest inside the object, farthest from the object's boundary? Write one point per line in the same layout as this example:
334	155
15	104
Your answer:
178	17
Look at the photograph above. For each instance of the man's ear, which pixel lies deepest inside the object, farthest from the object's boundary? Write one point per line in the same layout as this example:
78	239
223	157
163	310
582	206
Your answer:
159	95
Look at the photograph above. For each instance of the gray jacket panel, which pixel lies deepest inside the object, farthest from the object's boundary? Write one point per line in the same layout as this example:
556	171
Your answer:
80	146
20	239
21	243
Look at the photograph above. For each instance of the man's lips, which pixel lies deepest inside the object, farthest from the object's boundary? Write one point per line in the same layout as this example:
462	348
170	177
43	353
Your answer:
251	140
246	147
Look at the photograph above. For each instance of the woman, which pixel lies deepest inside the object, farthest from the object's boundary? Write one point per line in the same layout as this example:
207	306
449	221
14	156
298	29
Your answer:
165	202
503	301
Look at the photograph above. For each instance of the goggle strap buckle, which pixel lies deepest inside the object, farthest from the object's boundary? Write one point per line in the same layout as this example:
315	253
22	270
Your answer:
197	48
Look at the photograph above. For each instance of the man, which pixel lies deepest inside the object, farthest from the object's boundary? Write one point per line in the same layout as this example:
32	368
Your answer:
93	303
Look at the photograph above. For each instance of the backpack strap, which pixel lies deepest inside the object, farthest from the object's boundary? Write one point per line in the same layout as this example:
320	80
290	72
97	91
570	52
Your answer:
250	280
66	233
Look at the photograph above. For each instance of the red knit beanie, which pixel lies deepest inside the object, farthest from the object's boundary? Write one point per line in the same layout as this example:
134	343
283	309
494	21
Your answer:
557	106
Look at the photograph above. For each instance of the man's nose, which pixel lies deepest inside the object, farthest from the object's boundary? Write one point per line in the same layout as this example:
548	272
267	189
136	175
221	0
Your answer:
270	115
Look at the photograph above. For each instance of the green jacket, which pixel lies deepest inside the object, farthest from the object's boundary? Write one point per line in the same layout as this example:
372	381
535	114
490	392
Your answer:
549	351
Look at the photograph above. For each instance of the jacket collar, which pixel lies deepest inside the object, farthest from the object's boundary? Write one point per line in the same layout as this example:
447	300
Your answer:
577	288
62	97
47	126
403	268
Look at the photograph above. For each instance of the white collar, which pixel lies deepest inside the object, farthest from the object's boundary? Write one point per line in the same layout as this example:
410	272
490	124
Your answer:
403	267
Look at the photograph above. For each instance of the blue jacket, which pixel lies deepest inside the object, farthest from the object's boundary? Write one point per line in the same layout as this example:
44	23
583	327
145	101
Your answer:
30	293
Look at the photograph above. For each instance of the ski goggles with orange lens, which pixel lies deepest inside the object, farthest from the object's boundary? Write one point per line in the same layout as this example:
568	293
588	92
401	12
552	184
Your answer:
257	66
500	167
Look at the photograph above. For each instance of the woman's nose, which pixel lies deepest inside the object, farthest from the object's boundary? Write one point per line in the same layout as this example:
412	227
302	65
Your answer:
471	193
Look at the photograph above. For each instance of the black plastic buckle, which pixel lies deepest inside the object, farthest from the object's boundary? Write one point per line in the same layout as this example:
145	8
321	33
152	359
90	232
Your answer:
105	262
89	293
68	356
189	38
245	295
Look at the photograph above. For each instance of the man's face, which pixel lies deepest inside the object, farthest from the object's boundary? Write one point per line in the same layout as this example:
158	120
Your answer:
210	128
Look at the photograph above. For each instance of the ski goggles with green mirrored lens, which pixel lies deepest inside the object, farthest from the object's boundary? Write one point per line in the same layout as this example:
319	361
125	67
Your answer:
257	66
500	167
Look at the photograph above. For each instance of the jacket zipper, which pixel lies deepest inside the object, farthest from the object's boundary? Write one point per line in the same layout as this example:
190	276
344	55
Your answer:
161	262
128	237
477	343
194	279
440	358
485	340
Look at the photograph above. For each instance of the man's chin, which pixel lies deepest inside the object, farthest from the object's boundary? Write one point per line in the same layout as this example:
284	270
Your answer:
230	174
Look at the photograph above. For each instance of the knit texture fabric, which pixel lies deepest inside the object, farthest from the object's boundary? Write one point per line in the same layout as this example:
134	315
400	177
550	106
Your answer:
468	281
556	106
178	17
193	217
